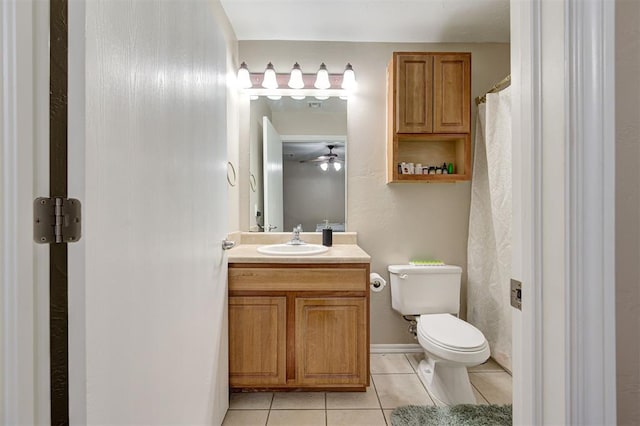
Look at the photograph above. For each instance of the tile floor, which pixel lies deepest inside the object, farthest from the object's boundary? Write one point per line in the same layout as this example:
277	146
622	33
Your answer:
394	383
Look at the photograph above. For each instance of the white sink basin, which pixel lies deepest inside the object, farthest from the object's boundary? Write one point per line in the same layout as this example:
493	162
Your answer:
292	250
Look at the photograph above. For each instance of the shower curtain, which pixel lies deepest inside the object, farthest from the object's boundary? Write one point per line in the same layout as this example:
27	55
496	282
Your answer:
489	247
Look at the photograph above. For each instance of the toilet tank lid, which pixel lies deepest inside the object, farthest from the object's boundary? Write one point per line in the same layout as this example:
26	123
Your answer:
430	269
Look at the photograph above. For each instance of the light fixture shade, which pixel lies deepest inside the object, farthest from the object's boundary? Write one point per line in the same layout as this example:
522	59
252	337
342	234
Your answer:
324	166
295	79
270	81
348	78
337	166
322	78
321	98
244	79
298	97
274	97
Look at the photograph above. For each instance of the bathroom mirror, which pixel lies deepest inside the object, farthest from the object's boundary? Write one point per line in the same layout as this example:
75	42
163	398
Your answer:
297	164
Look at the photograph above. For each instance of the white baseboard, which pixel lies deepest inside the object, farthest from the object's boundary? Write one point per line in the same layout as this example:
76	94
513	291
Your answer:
398	348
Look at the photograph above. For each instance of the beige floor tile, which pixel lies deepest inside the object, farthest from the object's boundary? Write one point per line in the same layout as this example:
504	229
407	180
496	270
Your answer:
479	398
355	418
495	387
488	366
298	401
246	418
250	400
395	390
390	364
297	418
414	359
387	415
353	400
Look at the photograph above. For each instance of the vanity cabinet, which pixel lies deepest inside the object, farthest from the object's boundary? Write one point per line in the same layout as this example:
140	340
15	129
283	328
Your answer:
294	326
429	114
331	340
258	328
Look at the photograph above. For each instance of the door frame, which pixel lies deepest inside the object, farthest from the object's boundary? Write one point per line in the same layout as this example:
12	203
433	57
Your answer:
567	326
24	265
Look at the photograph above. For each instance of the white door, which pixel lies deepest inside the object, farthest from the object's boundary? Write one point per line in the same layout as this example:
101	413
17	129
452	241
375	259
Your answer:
147	147
272	166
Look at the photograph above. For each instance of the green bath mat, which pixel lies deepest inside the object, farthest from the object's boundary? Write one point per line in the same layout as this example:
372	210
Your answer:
455	415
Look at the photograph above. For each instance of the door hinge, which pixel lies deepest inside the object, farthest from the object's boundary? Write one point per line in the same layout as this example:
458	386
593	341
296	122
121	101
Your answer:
56	220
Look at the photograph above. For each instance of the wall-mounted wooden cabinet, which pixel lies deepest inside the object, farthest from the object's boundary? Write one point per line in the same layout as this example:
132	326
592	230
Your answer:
429	114
299	326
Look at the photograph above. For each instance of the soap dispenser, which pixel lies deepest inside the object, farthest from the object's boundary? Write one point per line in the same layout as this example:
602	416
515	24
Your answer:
327	235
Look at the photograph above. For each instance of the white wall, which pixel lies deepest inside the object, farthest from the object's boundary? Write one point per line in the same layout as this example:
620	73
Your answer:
398	222
311	195
155	212
628	210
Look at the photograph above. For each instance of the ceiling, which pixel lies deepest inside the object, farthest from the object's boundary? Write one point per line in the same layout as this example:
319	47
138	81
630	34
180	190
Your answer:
305	151
370	21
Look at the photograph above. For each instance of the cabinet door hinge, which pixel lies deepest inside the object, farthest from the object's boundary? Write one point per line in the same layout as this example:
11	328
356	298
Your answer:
56	220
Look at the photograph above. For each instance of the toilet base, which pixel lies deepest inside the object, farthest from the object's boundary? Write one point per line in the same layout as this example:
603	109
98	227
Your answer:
447	384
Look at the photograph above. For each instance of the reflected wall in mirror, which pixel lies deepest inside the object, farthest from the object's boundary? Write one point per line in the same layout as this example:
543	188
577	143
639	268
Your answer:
297	159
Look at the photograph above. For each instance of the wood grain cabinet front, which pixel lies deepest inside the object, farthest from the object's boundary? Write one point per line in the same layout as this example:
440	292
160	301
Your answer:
330	337
429	116
257	336
299	327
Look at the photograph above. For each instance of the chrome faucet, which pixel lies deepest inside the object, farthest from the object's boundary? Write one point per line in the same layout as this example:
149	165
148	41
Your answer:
295	238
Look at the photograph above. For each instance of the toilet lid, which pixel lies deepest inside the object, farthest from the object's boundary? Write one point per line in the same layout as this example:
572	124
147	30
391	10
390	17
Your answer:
449	332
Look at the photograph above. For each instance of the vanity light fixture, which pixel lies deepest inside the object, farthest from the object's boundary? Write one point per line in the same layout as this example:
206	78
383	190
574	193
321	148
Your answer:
348	78
322	78
295	79
296	84
270	81
244	79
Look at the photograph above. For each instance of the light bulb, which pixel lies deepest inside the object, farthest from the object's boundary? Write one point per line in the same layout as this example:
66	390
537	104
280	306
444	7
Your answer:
270	81
324	167
244	79
295	79
337	166
322	78
349	78
274	97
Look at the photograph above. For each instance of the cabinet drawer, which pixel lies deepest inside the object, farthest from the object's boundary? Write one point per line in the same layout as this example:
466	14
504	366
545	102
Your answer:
298	279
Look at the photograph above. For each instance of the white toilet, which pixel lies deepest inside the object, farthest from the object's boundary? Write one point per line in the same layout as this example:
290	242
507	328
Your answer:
450	344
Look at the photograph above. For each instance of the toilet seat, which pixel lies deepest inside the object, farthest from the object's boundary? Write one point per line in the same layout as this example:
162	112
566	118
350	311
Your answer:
452	339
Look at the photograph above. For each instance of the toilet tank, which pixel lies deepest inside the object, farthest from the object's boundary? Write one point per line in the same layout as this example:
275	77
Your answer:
417	290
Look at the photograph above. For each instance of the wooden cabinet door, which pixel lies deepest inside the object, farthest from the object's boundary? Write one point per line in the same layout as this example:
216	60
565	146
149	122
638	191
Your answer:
452	93
330	340
257	340
413	83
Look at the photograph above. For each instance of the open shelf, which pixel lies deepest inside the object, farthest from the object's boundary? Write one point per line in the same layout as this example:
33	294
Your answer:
430	150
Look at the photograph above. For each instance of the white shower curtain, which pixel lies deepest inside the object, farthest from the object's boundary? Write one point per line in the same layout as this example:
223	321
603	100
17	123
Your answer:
489	248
